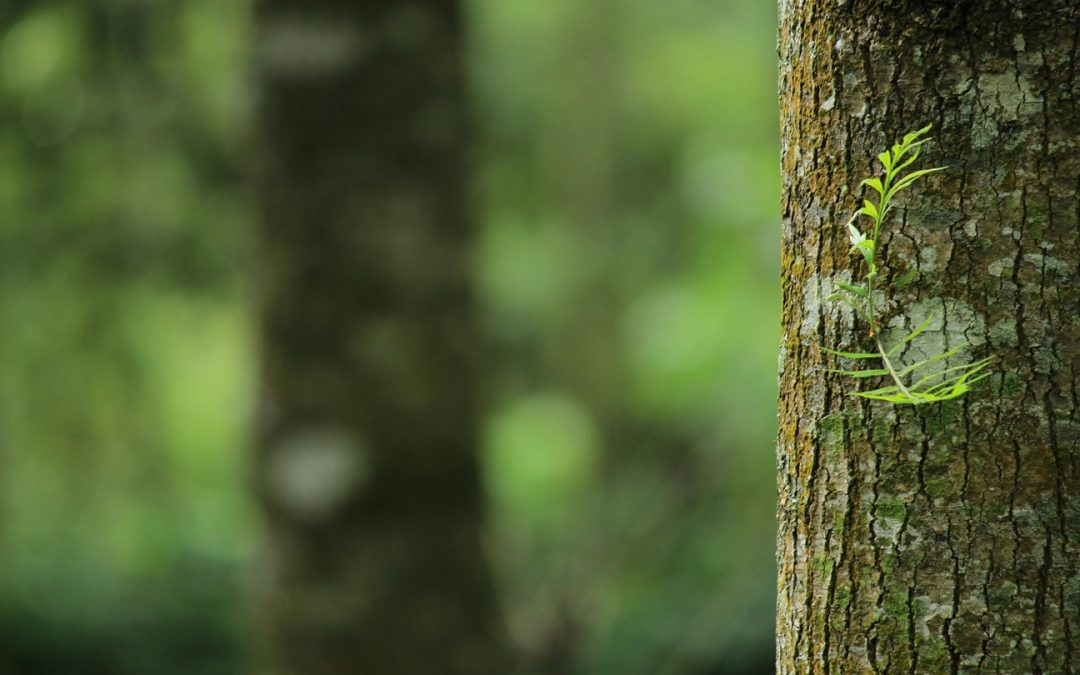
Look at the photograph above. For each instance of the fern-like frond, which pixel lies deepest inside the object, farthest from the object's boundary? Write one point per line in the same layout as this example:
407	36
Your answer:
924	381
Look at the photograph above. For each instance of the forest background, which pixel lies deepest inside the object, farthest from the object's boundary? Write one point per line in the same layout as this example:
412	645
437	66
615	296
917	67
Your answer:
625	182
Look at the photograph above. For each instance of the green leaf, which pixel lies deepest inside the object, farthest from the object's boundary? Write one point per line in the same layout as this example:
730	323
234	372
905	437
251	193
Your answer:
874	183
857	290
910	137
883	390
967	371
943	355
854	235
870	209
911	336
859	374
894	394
914	156
910	178
959	391
852	355
891	398
886	160
866	248
847	301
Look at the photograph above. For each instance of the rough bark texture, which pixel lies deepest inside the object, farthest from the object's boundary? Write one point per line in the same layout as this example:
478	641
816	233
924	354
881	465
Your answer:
367	468
942	538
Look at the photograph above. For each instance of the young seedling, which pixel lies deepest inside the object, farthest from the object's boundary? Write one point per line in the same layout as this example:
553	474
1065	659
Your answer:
912	384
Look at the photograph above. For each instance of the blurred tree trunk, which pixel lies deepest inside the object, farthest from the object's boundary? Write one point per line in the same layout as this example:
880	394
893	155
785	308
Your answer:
941	538
367	459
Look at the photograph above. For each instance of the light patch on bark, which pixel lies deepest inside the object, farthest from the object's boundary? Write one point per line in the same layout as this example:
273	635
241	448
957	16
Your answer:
1008	93
1048	263
887	526
296	48
928	259
816	290
1003	97
1003	333
1001	267
952	323
314	472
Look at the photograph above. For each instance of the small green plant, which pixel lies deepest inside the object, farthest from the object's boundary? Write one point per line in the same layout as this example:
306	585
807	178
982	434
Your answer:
918	382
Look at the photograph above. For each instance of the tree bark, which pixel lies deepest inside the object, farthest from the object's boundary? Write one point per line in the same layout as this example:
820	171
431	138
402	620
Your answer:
938	538
367	458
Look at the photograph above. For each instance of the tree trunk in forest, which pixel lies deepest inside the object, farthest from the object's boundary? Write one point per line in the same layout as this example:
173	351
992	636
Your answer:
938	538
367	458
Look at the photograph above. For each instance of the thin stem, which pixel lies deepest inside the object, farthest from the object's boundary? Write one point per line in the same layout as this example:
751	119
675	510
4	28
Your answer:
871	313
892	372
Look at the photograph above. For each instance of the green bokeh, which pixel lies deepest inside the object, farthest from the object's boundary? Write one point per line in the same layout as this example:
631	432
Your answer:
626	186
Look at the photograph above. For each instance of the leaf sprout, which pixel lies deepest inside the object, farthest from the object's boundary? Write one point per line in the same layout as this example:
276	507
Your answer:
912	384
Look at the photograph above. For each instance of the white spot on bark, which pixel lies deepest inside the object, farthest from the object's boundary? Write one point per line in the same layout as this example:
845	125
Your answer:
302	48
314	472
811	307
1004	333
1007	92
887	528
1000	268
1019	44
815	291
1048	263
952	323
1004	96
932	610
829	103
928	257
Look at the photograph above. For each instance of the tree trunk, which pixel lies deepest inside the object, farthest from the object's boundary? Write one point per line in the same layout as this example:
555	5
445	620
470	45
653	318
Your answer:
367	468
938	538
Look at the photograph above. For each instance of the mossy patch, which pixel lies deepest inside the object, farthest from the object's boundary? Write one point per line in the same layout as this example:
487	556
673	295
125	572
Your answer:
946	417
1003	595
838	521
882	434
1011	385
895	604
890	507
841	598
938	487
906	279
1003	333
932	652
822	565
887	563
920	606
830	431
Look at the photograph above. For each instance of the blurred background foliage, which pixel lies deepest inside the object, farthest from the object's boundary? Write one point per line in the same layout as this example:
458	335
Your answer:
626	186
